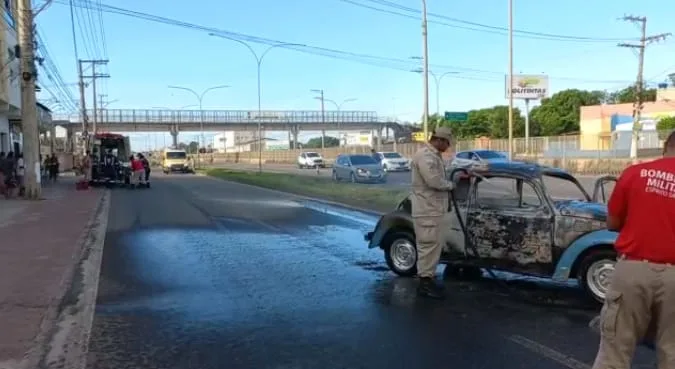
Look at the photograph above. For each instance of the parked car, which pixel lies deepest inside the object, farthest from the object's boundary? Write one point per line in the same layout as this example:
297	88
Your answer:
358	168
472	158
310	160
514	224
393	162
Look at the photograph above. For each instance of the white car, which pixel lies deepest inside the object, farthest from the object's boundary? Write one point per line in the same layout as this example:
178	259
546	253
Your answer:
393	162
464	159
310	160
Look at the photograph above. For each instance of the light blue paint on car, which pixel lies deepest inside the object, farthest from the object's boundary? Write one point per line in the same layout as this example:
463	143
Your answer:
571	254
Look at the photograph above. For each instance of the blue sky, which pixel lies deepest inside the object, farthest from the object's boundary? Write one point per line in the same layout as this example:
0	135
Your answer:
145	57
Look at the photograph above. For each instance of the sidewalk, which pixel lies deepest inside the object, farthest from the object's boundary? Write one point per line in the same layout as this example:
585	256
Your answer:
41	242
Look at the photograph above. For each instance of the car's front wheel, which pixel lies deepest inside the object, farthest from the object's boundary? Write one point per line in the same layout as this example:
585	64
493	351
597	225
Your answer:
335	176
400	253
595	273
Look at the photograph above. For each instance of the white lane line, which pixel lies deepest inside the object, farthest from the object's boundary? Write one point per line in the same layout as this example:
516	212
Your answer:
550	353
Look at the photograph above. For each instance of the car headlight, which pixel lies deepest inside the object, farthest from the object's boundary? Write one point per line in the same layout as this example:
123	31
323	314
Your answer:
361	171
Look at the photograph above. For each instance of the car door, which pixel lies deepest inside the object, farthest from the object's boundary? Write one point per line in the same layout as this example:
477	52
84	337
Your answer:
301	159
338	167
603	189
510	224
461	159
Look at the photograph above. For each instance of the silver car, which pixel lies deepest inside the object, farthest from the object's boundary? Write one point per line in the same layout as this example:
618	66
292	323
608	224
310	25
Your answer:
472	158
358	169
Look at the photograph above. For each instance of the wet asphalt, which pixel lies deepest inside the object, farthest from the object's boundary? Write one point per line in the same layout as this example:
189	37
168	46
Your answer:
201	273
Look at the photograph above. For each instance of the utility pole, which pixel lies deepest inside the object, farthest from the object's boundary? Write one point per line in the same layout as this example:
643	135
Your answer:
425	69
83	109
101	99
639	83
29	116
510	79
94	76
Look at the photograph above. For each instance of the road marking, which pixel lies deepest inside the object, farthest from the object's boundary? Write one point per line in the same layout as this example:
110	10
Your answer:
550	353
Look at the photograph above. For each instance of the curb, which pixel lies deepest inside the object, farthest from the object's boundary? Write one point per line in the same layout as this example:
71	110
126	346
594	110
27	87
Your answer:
63	339
301	197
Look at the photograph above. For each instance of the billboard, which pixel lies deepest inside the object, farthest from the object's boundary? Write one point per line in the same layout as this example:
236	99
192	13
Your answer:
527	86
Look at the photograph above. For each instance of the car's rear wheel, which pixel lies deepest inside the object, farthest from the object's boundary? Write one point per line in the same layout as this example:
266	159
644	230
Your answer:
400	253
595	273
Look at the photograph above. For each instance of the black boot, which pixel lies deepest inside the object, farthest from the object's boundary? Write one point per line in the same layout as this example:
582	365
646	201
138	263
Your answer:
429	288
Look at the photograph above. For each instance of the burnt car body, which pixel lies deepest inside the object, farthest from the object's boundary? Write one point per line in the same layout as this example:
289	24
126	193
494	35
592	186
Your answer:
524	229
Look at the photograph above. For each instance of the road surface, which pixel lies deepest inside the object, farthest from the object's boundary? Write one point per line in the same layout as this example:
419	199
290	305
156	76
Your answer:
202	273
558	188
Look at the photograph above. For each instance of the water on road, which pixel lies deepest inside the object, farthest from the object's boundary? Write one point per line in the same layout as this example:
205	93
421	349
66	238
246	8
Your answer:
202	273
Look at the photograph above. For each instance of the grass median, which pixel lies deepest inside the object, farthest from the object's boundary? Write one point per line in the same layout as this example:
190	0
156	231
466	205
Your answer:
372	197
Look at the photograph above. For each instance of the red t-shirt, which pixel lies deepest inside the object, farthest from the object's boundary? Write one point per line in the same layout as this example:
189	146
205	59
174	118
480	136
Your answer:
644	197
136	165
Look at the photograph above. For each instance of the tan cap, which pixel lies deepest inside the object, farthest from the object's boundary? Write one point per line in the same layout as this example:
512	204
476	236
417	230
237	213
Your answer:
443	132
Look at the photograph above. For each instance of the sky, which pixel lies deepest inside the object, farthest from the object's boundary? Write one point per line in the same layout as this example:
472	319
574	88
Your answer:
146	57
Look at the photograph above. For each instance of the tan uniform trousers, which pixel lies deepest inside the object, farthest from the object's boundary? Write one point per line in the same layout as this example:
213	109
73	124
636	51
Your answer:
640	304
429	246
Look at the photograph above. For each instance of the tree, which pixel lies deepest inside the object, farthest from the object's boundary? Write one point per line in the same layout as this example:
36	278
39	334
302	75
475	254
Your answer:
192	147
628	94
665	125
315	143
559	114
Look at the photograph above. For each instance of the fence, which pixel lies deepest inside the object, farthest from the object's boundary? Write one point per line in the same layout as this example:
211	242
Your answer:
588	154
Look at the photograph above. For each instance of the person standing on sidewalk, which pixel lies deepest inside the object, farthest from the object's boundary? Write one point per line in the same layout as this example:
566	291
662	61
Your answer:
20	172
430	196
640	302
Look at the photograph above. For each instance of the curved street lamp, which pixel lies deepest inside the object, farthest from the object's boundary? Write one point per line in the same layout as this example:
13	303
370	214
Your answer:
437	80
259	60
200	98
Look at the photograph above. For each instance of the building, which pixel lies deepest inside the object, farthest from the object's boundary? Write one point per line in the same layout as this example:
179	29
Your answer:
609	126
10	83
234	141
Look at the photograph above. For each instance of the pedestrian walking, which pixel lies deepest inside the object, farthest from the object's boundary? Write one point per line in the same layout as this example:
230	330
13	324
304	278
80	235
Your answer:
640	302
430	196
146	167
53	167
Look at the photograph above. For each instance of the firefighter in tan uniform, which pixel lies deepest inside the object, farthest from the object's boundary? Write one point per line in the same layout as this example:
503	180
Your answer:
430	196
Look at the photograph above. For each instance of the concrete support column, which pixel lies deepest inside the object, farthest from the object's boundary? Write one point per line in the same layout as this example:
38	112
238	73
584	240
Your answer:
378	133
295	132
323	139
173	130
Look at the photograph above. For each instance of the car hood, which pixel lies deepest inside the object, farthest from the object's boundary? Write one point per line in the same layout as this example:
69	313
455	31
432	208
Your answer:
395	160
375	168
582	209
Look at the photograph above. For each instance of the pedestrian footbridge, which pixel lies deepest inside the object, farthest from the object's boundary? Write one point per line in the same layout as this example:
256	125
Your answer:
154	120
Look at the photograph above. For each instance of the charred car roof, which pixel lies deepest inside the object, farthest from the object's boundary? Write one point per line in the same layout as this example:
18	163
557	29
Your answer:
525	169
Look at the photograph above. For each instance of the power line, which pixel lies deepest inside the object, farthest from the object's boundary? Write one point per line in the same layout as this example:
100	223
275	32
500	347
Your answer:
378	61
471	26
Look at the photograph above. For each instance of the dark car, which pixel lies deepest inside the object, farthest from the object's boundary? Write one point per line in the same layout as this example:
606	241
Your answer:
515	223
360	168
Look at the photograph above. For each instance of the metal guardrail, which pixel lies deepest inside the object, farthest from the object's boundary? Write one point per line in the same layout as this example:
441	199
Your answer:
119	116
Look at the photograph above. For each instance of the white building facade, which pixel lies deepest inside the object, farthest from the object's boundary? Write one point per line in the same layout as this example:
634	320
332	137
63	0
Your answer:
234	141
10	82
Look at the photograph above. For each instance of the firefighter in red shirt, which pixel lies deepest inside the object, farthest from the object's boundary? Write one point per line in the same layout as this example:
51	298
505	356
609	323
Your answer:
640	302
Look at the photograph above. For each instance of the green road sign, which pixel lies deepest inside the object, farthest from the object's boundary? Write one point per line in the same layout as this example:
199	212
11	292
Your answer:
456	116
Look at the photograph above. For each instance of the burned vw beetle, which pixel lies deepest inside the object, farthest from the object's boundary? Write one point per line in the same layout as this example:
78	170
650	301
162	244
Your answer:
520	217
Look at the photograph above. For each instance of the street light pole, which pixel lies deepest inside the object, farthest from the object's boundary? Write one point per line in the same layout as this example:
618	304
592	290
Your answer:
200	98
425	56
258	60
437	81
323	117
